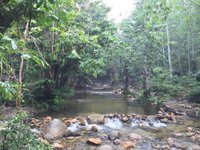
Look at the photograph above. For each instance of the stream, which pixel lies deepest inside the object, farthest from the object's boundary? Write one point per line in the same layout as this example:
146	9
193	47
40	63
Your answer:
99	103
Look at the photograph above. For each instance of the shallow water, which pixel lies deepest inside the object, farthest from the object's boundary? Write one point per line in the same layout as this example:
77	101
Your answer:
101	102
104	102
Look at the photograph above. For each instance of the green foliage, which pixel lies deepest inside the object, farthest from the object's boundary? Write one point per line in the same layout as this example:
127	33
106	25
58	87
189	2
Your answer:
161	83
18	135
194	95
7	91
44	96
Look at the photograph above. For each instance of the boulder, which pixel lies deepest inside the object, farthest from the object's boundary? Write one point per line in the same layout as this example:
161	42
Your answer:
115	135
96	118
94	128
54	130
134	137
94	141
105	147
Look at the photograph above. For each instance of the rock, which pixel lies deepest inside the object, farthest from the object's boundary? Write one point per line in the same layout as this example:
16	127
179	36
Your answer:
96	118
36	132
82	121
196	147
160	112
134	137
174	119
54	130
105	147
94	128
70	138
115	135
103	136
67	133
170	142
192	114
44	141
47	119
179	134
161	147
190	134
117	142
67	122
193	138
180	146
189	129
165	120
128	145
197	137
94	141
125	119
57	146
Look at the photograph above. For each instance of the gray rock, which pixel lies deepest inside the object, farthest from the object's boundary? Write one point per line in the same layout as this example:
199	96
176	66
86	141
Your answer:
134	137
105	147
54	130
117	142
115	135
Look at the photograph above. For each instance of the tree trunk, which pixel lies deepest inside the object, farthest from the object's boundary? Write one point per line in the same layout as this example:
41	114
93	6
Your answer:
20	78
146	78
163	52
169	50
188	50
126	78
52	38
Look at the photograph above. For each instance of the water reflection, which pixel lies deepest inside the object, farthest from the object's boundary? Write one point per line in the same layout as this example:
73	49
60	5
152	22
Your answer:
102	103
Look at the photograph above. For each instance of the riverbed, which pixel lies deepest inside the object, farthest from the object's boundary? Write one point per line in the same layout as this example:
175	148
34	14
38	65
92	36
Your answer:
142	120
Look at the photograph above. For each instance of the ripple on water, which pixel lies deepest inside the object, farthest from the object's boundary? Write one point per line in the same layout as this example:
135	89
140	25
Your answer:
113	123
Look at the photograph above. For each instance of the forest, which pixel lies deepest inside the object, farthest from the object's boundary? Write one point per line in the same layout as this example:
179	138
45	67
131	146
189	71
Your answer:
73	79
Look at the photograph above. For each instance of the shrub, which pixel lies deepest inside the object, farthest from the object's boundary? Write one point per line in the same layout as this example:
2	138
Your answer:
194	95
18	136
44	95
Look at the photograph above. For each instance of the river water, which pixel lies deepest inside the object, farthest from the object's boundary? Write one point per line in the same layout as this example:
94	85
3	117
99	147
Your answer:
100	102
106	102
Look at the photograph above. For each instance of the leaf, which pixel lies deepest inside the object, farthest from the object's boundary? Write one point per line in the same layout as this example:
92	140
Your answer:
14	45
6	38
26	56
74	54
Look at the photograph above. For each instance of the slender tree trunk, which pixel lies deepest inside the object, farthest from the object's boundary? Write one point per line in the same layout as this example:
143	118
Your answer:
114	76
188	50
52	38
169	50
126	78
1	71
146	78
20	78
163	52
179	62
